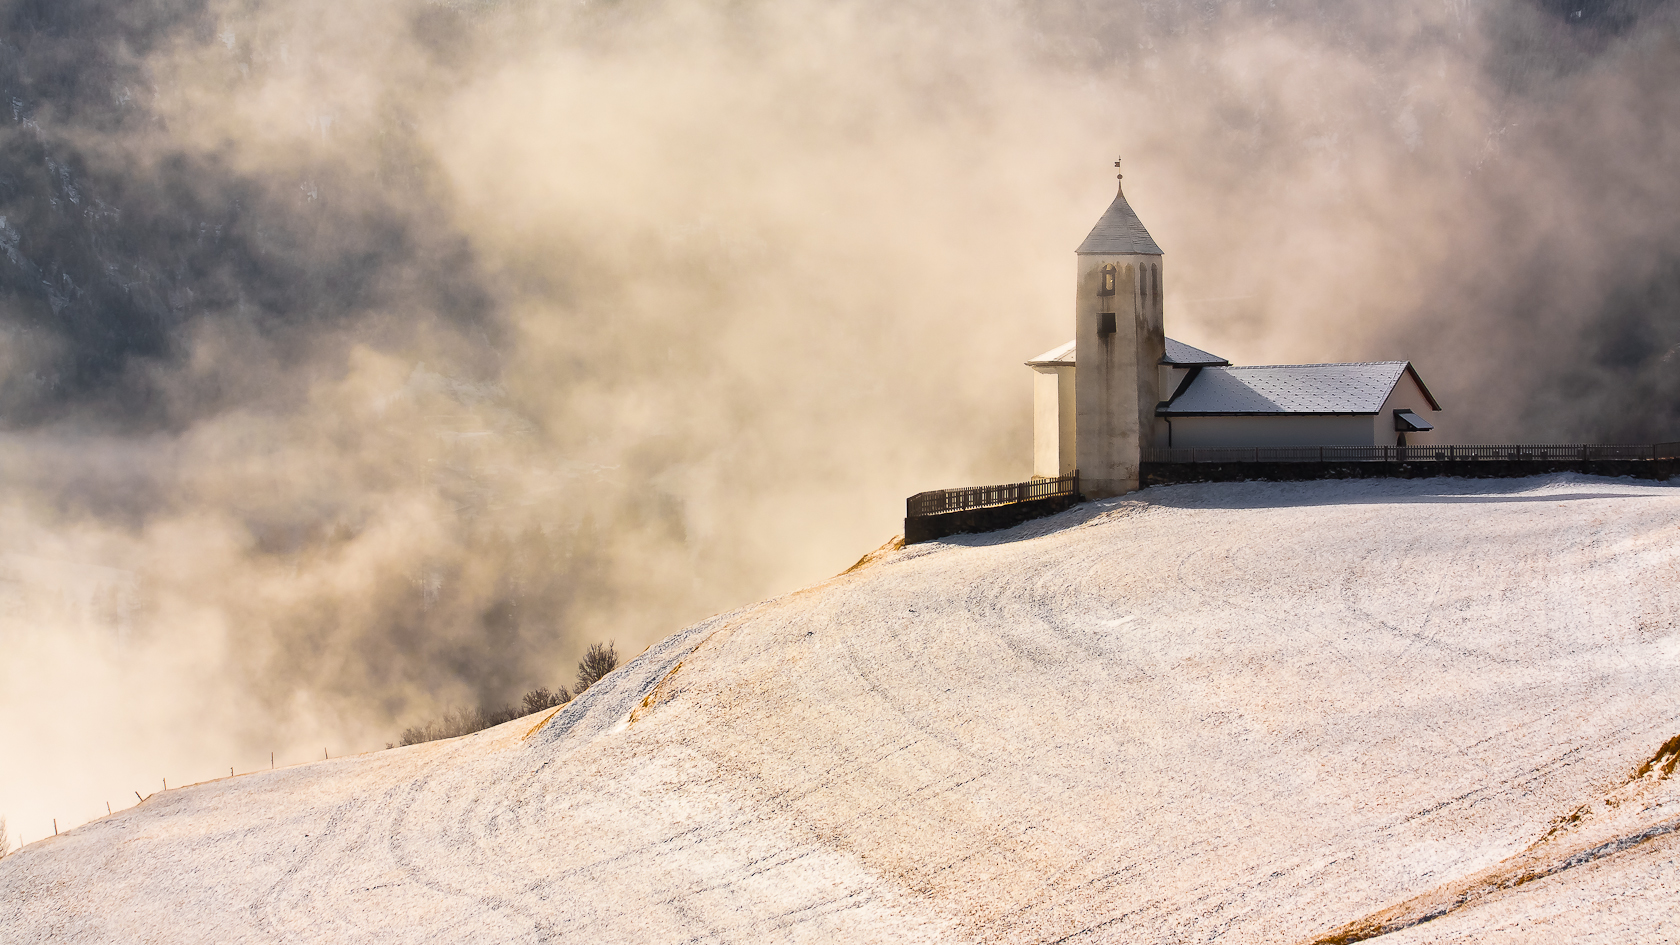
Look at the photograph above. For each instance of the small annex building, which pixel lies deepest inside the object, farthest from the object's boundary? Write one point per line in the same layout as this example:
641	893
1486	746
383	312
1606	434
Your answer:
1138	389
1211	403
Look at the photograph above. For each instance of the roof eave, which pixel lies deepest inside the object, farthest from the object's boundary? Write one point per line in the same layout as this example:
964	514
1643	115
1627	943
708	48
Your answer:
1433	404
1267	413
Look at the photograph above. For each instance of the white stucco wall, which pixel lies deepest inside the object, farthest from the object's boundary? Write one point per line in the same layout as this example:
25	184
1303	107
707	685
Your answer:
1054	433
1406	396
1345	430
1167	380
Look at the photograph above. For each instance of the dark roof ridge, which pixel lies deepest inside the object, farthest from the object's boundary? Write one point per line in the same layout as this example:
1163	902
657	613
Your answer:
1245	367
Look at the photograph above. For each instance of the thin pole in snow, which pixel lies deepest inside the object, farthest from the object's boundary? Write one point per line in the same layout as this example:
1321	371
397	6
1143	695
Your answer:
323	754
137	796
166	784
271	761
55	826
230	771
107	807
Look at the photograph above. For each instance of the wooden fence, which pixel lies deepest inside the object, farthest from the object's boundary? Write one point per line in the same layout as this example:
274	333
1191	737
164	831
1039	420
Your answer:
940	501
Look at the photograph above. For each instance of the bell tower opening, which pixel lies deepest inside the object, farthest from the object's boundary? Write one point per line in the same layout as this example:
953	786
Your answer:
1105	299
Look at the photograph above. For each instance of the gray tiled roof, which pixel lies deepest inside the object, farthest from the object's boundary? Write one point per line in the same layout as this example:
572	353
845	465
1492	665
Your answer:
1357	388
1062	354
1183	355
1178	353
1118	232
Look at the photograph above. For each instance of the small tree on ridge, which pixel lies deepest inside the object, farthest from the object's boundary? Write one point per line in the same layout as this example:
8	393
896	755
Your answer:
601	659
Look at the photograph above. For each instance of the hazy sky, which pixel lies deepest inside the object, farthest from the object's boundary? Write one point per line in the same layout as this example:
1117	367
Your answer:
362	358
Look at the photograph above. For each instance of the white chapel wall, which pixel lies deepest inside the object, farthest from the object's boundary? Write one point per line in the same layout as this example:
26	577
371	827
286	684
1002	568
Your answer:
1053	418
1406	395
1297	430
1167	380
1067	414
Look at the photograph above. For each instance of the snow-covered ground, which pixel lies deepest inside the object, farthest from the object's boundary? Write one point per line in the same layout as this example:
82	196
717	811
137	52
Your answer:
1236	712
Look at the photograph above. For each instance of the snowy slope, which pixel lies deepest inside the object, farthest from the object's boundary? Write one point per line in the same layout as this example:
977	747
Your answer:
1236	712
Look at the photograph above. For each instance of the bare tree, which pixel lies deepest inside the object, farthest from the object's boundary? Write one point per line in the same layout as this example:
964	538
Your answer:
457	722
545	698
601	659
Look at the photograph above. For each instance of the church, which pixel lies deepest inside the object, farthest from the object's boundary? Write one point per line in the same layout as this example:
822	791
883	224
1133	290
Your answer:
1122	386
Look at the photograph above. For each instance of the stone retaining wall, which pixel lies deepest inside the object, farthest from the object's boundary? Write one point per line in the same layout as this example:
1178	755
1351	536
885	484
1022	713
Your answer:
929	527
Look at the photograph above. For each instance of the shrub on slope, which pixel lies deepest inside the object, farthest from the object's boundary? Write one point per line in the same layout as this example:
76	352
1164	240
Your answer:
539	699
459	722
601	659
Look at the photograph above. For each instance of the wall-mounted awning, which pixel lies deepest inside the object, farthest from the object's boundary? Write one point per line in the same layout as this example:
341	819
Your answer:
1407	422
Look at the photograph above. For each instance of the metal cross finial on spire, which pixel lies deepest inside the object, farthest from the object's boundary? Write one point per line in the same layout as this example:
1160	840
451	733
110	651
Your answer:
1117	167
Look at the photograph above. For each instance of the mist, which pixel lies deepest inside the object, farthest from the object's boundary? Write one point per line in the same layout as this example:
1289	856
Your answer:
362	359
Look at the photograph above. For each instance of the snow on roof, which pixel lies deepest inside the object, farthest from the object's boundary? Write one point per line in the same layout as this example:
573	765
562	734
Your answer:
1183	355
1178	353
1356	388
1056	356
1118	232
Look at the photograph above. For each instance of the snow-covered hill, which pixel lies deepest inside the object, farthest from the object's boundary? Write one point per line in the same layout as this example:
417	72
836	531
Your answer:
1237	712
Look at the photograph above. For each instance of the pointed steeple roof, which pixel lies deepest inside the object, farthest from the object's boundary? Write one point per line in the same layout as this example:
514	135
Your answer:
1119	232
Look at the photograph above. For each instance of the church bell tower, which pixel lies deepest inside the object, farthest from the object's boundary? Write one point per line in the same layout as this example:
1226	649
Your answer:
1120	341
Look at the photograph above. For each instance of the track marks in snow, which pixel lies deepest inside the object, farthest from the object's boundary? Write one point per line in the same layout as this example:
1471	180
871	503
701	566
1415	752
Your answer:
1644	809
1244	712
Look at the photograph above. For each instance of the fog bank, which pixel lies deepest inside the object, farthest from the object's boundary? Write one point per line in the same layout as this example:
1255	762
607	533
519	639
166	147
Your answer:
361	359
